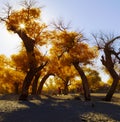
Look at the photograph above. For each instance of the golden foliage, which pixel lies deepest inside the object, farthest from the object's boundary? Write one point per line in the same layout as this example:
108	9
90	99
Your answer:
82	52
9	75
27	20
25	16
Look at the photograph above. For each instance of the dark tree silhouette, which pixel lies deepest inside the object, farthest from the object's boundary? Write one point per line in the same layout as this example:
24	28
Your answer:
39	91
84	81
109	59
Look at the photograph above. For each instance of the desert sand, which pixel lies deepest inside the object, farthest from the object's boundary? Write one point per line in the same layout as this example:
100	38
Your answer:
61	108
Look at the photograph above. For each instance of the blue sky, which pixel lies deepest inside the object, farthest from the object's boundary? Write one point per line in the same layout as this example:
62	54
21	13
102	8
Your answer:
88	16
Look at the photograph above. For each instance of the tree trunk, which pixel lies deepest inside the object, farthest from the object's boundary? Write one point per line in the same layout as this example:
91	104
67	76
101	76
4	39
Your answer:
16	86
66	85
29	45
113	86
84	81
109	64
35	84
27	81
66	88
26	84
42	83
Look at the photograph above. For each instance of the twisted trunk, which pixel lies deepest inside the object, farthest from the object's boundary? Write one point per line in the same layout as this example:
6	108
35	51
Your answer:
113	86
84	81
33	69
39	91
29	45
109	64
26	84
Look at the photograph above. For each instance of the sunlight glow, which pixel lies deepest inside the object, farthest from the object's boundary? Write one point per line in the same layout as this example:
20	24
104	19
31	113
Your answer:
22	26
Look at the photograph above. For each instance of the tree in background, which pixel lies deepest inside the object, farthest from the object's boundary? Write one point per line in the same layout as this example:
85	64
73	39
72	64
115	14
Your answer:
81	54
94	79
70	44
10	77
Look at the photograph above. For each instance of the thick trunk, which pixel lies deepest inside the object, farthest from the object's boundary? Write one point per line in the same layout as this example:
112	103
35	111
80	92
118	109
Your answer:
39	91
113	86
27	81
109	64
84	81
35	83
26	84
29	45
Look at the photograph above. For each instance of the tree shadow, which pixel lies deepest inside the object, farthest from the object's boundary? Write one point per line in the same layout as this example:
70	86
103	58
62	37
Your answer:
52	109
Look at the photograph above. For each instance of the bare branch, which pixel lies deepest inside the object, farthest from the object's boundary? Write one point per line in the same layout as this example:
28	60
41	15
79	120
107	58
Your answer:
116	54
97	42
7	10
28	3
111	41
2	19
41	66
60	25
103	60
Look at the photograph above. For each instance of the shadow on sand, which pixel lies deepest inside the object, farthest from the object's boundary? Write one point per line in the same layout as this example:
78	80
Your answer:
51	109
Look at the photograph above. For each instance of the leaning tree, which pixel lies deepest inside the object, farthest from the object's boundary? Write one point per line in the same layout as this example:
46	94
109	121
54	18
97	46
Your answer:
111	56
77	53
26	23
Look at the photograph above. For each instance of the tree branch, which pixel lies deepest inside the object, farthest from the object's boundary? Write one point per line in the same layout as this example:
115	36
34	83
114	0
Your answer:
111	41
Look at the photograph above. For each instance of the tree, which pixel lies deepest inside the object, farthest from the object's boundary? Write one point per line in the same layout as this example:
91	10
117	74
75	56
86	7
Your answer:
71	44
24	22
10	77
66	73
81	53
42	82
111	56
21	62
94	79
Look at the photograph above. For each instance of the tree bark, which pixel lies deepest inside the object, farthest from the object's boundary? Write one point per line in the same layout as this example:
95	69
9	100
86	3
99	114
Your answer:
35	84
112	89
27	81
39	91
84	81
26	84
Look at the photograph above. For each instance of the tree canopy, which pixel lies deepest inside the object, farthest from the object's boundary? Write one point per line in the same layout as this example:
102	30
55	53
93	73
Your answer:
66	57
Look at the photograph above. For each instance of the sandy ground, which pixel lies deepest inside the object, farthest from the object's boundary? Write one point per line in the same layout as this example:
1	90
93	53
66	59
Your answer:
59	109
